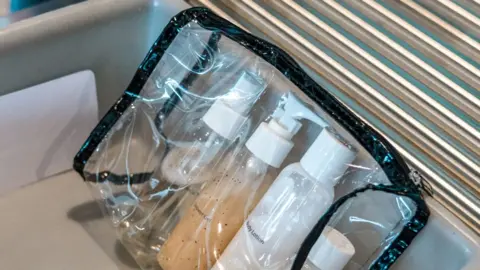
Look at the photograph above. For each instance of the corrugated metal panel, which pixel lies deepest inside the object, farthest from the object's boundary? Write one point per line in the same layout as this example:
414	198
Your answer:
409	68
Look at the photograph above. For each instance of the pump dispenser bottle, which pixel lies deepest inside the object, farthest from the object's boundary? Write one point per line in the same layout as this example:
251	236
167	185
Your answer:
222	123
222	206
300	195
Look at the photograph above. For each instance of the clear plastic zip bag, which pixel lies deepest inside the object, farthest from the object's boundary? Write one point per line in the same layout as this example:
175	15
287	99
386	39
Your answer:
224	154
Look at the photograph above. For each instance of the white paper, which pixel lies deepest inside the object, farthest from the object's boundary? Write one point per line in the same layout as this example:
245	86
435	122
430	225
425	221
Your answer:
42	127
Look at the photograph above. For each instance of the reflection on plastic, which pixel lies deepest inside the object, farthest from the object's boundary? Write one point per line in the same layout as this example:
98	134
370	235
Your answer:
287	213
219	211
189	171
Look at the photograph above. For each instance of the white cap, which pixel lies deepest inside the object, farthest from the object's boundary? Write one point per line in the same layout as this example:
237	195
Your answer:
272	142
332	251
228	113
328	157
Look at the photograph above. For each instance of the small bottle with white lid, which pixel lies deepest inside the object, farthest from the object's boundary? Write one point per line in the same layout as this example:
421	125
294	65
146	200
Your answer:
221	125
332	251
299	196
189	164
220	209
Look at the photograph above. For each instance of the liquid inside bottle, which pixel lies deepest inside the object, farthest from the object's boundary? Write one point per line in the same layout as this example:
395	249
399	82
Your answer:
218	212
274	230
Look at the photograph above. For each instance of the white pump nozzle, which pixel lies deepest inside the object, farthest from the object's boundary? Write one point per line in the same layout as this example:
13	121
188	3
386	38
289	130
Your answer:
272	142
294	110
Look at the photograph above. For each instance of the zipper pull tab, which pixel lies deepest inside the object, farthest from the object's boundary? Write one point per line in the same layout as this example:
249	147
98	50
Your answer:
420	182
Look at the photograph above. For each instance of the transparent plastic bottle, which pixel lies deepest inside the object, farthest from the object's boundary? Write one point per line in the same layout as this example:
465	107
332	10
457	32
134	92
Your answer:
192	163
303	191
187	166
216	215
222	206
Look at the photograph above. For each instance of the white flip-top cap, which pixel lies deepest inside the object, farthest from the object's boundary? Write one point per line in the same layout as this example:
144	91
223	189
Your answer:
272	142
328	157
228	113
332	251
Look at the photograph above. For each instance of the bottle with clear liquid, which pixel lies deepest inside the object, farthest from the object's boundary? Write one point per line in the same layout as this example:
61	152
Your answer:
220	209
188	166
192	163
300	195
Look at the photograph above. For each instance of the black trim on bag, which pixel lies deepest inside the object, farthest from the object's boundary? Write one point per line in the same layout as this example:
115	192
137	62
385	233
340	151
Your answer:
382	151
394	250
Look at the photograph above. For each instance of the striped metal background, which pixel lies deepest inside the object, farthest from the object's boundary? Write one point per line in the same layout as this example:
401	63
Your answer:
409	68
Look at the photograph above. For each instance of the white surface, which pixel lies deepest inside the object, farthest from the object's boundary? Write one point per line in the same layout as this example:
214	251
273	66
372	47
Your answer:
37	233
444	244
110	37
42	128
4	7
